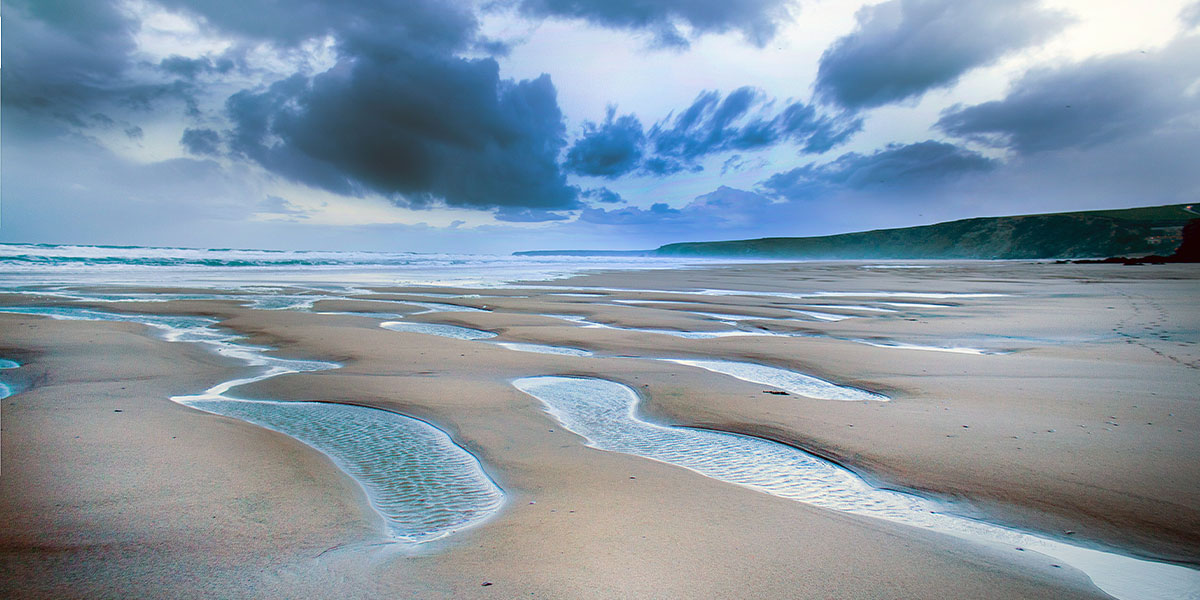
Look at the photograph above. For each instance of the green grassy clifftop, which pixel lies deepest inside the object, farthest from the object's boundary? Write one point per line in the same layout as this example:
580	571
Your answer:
1135	231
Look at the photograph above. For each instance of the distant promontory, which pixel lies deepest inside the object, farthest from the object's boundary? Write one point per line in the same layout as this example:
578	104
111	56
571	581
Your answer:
1101	233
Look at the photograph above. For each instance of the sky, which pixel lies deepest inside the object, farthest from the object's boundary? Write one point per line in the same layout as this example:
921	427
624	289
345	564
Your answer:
503	125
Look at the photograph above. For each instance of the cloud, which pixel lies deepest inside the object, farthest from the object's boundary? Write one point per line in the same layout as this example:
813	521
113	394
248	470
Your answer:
59	59
400	114
737	163
412	127
602	195
755	19
657	165
58	46
895	167
609	149
723	208
885	184
1190	15
707	125
280	206
191	68
201	142
357	24
1093	102
902	48
743	120
659	213
527	215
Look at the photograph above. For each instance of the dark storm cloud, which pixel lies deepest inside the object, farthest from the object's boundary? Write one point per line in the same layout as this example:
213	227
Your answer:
610	149
901	48
400	114
1094	102
602	195
743	120
201	142
60	56
413	127
755	19
657	165
67	62
190	68
354	23
896	167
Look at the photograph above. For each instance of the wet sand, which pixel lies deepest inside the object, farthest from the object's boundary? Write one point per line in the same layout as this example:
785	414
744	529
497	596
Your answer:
163	500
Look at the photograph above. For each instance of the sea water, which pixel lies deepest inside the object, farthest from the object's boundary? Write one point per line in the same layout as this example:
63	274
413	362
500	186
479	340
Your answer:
51	264
420	483
605	414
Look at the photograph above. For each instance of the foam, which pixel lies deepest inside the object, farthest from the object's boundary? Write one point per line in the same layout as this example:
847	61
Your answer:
695	335
449	331
824	316
543	348
605	414
930	295
731	318
783	379
369	315
641	301
433	307
255	301
5	389
852	307
907	346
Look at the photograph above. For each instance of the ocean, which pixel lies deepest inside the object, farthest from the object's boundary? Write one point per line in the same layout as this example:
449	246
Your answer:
24	265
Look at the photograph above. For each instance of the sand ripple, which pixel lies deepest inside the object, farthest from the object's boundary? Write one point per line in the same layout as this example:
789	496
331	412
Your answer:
422	483
605	413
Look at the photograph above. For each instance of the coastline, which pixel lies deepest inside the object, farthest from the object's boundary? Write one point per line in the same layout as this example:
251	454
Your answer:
462	387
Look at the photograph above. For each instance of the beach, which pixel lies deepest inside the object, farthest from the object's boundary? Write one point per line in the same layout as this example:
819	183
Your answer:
1059	400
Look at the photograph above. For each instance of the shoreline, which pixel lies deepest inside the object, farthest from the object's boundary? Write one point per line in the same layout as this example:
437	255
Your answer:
366	351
